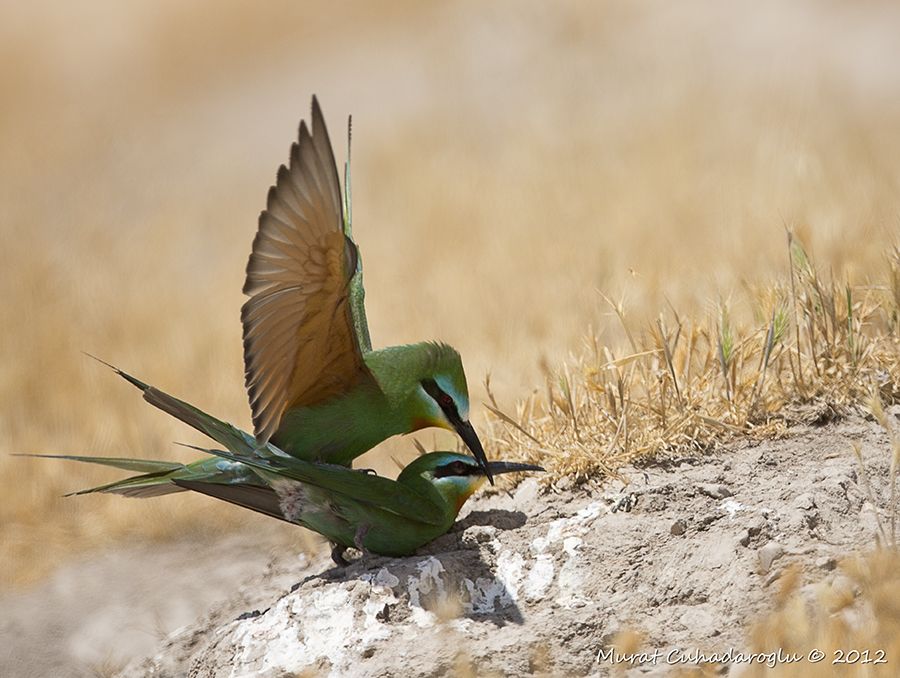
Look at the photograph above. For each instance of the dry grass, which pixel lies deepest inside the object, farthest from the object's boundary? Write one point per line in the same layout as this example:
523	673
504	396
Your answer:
509	162
821	347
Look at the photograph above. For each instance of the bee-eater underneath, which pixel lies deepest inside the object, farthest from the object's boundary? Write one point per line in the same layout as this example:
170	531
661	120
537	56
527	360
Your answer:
351	509
347	506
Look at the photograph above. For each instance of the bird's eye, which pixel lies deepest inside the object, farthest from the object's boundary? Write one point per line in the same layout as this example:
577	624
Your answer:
454	468
446	401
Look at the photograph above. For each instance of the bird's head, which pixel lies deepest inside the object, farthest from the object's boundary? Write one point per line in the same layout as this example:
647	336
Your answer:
441	398
456	476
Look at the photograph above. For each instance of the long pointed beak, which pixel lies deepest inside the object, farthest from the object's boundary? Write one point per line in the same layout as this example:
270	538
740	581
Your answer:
498	467
470	438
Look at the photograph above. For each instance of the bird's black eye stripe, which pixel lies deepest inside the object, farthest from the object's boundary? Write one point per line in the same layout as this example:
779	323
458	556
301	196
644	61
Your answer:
456	468
444	401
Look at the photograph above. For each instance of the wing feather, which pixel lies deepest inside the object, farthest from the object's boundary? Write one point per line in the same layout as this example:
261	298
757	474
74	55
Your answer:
300	342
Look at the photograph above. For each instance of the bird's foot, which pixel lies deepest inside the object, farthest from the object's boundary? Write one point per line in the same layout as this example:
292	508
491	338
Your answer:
337	555
338	550
361	533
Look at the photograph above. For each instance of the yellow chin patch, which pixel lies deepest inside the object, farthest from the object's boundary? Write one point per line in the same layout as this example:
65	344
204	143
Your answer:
474	484
428	422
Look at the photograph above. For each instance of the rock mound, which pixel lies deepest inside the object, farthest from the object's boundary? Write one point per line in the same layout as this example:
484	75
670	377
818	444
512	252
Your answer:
685	551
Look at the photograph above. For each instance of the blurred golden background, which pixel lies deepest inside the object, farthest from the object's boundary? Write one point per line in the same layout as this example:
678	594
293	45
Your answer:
510	160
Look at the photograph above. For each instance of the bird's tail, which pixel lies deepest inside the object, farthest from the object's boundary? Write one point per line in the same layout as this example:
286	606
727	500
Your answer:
233	439
161	477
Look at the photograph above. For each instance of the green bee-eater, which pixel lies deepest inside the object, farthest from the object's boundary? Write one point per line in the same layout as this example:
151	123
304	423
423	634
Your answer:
317	389
374	514
389	517
319	395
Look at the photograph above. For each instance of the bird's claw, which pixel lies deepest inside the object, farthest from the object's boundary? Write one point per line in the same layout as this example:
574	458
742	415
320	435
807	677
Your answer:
337	555
338	550
361	533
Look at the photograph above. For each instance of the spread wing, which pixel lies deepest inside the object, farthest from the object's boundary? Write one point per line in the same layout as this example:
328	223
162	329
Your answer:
300	342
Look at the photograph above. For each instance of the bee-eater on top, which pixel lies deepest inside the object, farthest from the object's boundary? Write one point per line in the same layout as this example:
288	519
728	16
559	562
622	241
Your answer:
317	389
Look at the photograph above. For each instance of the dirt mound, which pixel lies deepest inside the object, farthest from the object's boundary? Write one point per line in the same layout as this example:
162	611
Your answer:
686	552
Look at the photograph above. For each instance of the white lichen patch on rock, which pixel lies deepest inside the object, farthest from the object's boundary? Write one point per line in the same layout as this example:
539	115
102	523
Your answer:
731	507
296	633
571	578
381	597
329	624
533	571
540	577
427	582
488	594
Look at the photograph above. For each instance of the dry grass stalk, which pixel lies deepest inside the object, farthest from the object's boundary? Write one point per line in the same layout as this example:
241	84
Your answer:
687	386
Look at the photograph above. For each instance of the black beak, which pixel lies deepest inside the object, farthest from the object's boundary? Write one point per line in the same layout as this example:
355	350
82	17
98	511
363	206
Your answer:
470	438
499	467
